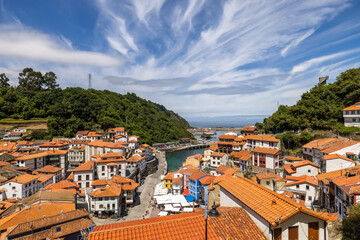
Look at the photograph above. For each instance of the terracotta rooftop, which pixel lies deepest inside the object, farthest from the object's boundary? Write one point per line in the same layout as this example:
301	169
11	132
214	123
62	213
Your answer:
291	168
261	176
7	146
34	212
230	137
329	145
354	107
266	150
225	143
207	180
86	166
337	156
176	180
292	158
169	176
233	223
325	177
42	178
243	155
271	206
108	191
217	154
355	190
265	138
63	184
48	169
291	180
23	179
249	128
106	144
135	158
196	175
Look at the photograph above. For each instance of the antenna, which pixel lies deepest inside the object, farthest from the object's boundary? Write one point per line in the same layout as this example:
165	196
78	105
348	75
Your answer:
89	80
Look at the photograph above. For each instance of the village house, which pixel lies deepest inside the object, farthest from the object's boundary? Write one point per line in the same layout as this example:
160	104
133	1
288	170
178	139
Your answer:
136	163
217	159
64	186
352	115
300	168
54	145
33	161
327	188
76	156
194	160
271	181
335	162
120	139
266	157
133	142
277	216
107	201
291	159
65	225
187	171
346	193
21	186
45	179
128	187
111	164
94	136
7	147
304	187
315	150
84	174
56	172
26	146
225	143
13	135
82	135
194	183
249	130
98	148
241	159
262	141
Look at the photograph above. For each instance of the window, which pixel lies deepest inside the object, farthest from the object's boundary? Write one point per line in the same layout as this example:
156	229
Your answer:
307	187
101	206
297	186
13	188
58	229
79	185
87	184
79	178
354	119
14	195
267	182
309	170
113	205
87	177
103	168
310	198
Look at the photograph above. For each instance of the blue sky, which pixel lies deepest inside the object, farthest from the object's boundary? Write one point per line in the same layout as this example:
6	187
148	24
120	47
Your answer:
200	58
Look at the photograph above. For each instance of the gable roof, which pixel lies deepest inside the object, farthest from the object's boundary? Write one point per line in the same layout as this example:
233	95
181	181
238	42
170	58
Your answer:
325	177
292	158
86	166
261	176
266	150
249	128
23	179
355	106
231	223
301	179
265	138
243	155
329	145
271	206
217	154
196	175
337	156
230	137
63	184
48	169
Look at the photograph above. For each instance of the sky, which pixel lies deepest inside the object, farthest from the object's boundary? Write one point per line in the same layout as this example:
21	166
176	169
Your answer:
199	58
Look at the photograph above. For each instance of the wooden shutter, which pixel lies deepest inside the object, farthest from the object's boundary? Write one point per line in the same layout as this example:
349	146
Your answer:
293	233
313	231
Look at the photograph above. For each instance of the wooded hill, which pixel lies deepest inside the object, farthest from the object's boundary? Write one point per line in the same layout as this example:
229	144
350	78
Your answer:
320	108
72	109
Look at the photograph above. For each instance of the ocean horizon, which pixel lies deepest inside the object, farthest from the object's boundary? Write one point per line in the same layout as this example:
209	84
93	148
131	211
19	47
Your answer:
237	121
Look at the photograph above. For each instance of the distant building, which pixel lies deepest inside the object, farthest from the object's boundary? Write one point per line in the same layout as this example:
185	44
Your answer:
249	130
352	115
76	156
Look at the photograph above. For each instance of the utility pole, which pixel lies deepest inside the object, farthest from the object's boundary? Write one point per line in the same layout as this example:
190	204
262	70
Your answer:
89	81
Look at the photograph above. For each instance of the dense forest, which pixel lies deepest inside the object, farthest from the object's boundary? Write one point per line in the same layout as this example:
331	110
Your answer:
320	108
69	110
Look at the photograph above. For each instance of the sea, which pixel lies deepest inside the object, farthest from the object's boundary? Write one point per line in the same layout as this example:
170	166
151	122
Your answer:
176	158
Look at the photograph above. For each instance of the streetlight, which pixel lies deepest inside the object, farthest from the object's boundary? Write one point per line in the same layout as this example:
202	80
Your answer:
205	201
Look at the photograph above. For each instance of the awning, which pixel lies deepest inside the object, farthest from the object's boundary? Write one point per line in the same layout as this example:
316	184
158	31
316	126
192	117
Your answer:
161	214
187	210
168	207
186	192
176	210
190	198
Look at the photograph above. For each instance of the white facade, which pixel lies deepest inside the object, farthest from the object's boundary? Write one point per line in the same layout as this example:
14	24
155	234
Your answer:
265	160
33	163
337	164
83	178
98	150
309	170
251	144
352	117
104	204
217	161
107	172
306	189
18	190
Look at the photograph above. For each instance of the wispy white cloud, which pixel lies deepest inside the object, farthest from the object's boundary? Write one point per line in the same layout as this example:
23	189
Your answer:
18	42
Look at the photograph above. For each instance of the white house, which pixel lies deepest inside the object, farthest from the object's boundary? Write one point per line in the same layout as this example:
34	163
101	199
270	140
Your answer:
133	142
335	162
352	115
106	201
136	162
300	168
177	183
277	216
241	159
262	141
266	157
305	187
111	164
32	161
217	159
21	186
56	172
98	148
83	175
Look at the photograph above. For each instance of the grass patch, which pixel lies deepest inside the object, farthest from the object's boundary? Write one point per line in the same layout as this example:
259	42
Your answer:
21	121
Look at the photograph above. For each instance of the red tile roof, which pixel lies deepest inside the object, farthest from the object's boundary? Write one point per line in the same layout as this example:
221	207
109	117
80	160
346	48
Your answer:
337	156
291	180
233	223
265	138
325	177
271	206
329	145
230	137
266	150
292	158
243	155
249	128
48	169
196	175
217	154
86	166
261	176
63	184
355	106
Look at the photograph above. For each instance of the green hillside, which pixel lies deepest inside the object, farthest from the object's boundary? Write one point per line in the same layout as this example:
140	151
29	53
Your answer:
320	108
72	109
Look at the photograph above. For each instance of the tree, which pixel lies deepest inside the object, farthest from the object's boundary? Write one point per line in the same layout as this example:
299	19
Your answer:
31	80
351	224
4	81
49	81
